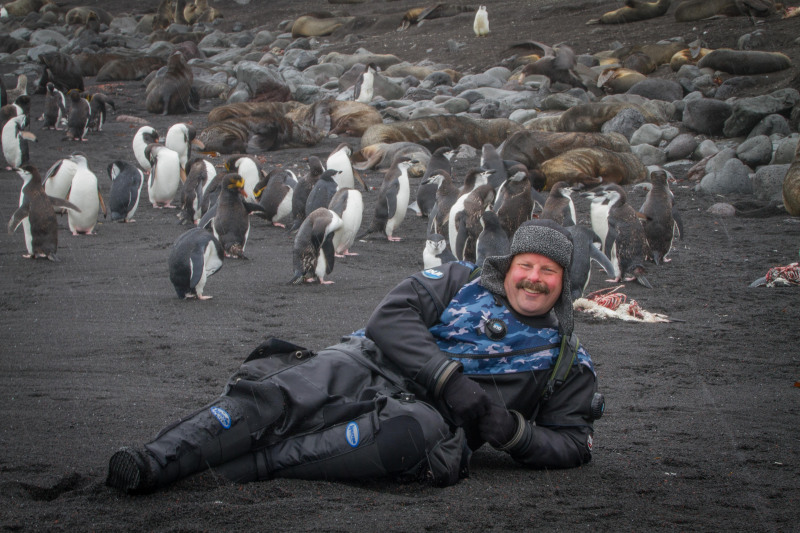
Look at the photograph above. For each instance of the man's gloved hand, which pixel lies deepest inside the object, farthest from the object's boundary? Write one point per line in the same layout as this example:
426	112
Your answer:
465	398
498	426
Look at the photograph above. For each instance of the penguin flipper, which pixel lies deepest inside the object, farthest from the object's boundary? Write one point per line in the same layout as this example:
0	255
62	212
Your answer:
462	235
611	236
60	202
329	253
433	226
197	262
19	215
676	216
252	207
357	86
208	217
391	198
760	282
602	259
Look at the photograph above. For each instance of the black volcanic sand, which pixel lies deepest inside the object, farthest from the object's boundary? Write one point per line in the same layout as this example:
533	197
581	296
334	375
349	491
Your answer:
700	431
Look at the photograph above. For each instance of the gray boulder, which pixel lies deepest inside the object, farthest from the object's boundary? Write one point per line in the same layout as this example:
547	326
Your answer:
734	178
706	115
681	147
658	89
747	112
625	122
770	125
755	151
784	152
768	183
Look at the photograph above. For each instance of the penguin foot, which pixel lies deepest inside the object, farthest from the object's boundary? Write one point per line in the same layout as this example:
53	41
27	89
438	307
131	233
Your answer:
278	225
325	282
203	297
394	239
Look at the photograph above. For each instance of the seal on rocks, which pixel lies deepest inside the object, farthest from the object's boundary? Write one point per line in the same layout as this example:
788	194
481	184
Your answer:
171	92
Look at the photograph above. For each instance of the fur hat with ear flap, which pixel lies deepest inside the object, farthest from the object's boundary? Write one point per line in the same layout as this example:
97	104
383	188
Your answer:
543	237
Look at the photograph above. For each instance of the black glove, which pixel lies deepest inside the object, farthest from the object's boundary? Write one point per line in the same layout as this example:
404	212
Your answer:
498	426
465	398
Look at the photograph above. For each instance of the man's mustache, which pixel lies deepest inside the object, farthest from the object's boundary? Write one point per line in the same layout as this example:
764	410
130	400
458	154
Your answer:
533	286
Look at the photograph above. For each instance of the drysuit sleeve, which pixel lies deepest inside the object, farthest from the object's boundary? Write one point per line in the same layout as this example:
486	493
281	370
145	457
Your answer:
561	436
399	325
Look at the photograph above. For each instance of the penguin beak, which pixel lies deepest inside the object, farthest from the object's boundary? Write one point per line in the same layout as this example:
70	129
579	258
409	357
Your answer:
243	193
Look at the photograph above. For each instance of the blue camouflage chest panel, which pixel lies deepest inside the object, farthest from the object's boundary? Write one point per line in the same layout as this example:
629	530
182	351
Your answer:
462	333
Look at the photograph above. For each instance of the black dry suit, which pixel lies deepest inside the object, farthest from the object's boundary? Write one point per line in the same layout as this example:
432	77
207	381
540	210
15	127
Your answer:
354	410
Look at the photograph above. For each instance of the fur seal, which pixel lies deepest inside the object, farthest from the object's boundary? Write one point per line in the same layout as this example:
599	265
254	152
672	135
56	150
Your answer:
381	155
692	10
253	135
316	26
128	69
20	8
619	80
634	10
440	10
558	64
592	166
442	130
791	186
745	62
62	70
170	93
244	109
199	11
90	17
532	148
591	117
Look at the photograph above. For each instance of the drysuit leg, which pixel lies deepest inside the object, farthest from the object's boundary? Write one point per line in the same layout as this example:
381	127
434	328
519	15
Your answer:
407	440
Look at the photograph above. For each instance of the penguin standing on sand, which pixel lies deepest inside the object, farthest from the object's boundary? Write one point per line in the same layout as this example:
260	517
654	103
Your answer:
516	205
145	136
625	241
98	109
181	137
78	117
364	89
312	254
436	251
392	202
231	223
446	195
58	179
349	205
468	221
584	252
491	160
660	222
84	193
194	257
559	206
323	191
475	178
37	216
304	186
199	174
165	175
247	168
55	108
126	188
492	240
275	192
339	160
15	142
481	23
426	192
